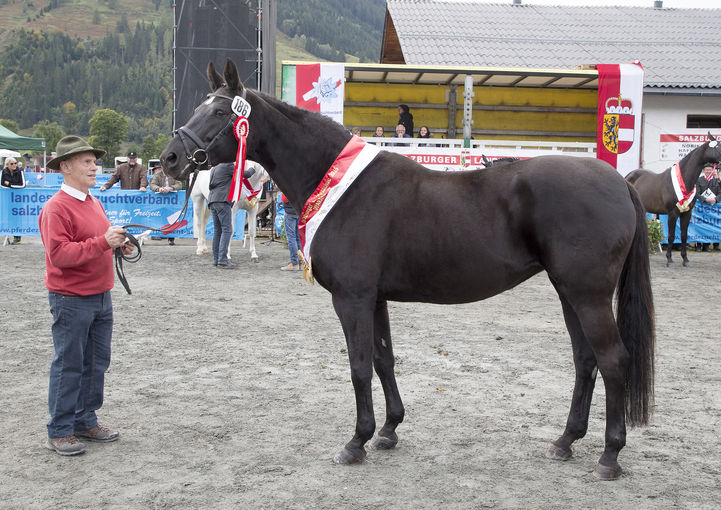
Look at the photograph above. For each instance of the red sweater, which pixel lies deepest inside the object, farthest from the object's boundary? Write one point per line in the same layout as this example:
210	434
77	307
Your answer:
78	259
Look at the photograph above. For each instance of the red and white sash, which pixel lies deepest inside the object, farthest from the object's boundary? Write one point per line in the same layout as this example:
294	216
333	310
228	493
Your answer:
349	164
684	197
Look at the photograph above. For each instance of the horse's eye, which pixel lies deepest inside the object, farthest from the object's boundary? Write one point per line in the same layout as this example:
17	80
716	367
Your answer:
220	113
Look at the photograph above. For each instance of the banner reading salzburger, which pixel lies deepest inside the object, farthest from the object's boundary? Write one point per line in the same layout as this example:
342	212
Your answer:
620	99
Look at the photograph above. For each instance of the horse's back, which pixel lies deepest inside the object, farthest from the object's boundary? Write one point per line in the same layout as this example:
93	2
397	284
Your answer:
463	236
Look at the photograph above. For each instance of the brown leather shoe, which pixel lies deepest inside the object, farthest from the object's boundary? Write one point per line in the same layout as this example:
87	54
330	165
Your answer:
99	434
68	445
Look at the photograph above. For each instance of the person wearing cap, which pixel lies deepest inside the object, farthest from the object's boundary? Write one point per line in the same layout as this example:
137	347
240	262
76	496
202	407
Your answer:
708	191
12	177
162	183
79	243
131	174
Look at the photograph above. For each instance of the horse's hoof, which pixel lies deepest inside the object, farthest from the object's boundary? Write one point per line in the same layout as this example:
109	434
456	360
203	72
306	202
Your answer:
670	264
555	452
254	259
345	456
686	263
383	443
607	472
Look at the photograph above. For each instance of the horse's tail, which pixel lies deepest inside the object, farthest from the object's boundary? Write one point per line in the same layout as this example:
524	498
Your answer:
635	319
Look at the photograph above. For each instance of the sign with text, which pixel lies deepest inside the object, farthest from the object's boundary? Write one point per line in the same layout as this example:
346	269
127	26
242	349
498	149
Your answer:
673	147
21	208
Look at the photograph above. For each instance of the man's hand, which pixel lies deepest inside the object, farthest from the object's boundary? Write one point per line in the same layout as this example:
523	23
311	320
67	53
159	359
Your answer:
115	236
103	188
128	247
711	200
142	188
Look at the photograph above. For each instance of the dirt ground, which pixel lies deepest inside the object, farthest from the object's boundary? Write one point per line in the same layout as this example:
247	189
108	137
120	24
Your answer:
232	390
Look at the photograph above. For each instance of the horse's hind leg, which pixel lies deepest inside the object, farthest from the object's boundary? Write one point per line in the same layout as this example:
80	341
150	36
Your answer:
684	221
585	363
356	317
595	315
384	362
252	219
671	237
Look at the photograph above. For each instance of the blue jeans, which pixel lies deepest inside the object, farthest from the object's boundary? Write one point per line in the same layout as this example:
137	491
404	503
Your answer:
293	237
82	329
222	230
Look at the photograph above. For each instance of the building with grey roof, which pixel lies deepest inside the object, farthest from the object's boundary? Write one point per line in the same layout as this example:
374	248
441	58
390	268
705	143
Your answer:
678	48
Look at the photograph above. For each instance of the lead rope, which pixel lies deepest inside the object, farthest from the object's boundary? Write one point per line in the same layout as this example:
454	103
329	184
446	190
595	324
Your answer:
120	256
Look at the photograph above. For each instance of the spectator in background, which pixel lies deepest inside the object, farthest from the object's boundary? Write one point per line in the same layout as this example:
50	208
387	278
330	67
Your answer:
406	118
708	191
12	177
221	179
380	132
79	243
161	183
131	174
291	234
356	131
424	132
400	133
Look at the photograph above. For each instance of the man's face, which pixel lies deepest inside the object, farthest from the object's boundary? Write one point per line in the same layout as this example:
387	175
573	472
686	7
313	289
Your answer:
400	130
132	161
79	171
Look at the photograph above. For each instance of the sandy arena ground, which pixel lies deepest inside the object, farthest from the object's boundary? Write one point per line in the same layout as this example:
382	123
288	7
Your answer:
232	390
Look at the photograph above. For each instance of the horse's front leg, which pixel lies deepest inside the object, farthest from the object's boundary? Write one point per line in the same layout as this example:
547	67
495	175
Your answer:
685	220
356	317
384	363
252	215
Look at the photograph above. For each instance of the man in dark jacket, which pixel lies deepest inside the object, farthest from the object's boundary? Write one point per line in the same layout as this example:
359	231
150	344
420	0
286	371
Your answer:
221	178
708	191
132	175
405	118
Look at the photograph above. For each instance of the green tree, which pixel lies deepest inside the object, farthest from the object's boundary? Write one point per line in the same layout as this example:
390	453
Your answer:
51	131
107	129
10	124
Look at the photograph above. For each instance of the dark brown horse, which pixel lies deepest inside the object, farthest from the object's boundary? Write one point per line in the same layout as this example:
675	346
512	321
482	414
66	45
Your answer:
388	238
658	196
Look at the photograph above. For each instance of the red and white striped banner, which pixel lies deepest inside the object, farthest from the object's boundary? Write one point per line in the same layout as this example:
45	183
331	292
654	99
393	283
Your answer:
620	100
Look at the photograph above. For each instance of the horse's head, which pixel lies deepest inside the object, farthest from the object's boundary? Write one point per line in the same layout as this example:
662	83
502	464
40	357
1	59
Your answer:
207	138
712	151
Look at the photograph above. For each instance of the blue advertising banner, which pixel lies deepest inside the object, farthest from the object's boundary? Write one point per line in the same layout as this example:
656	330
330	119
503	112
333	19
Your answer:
705	226
20	210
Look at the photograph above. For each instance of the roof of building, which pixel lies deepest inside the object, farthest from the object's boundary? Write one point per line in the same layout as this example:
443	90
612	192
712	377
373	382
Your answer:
679	48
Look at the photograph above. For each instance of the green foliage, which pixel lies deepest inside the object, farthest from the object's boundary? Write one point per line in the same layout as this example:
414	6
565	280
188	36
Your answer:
51	131
42	73
655	235
10	124
153	146
335	27
108	129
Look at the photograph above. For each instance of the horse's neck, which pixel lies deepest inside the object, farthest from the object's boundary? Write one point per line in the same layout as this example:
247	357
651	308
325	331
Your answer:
298	146
691	166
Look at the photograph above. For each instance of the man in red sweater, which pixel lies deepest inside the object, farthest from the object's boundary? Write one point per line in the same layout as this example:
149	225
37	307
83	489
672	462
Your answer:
79	243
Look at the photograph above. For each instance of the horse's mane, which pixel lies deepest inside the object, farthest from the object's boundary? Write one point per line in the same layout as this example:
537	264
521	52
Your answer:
298	115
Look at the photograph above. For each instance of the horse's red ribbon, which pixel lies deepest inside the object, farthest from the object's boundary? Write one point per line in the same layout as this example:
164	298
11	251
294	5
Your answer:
240	130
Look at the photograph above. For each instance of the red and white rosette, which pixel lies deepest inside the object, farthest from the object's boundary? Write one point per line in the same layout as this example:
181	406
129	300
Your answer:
240	130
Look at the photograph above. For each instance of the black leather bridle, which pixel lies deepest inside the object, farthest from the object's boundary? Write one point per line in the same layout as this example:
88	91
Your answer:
198	158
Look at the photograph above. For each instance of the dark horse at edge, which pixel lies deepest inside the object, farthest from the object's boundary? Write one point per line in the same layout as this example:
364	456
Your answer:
658	196
366	252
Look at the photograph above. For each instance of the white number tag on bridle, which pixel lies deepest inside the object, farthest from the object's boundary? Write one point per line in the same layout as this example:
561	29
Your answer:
713	143
240	107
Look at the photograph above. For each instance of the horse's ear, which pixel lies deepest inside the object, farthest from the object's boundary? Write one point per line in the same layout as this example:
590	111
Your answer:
231	77
710	136
214	78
